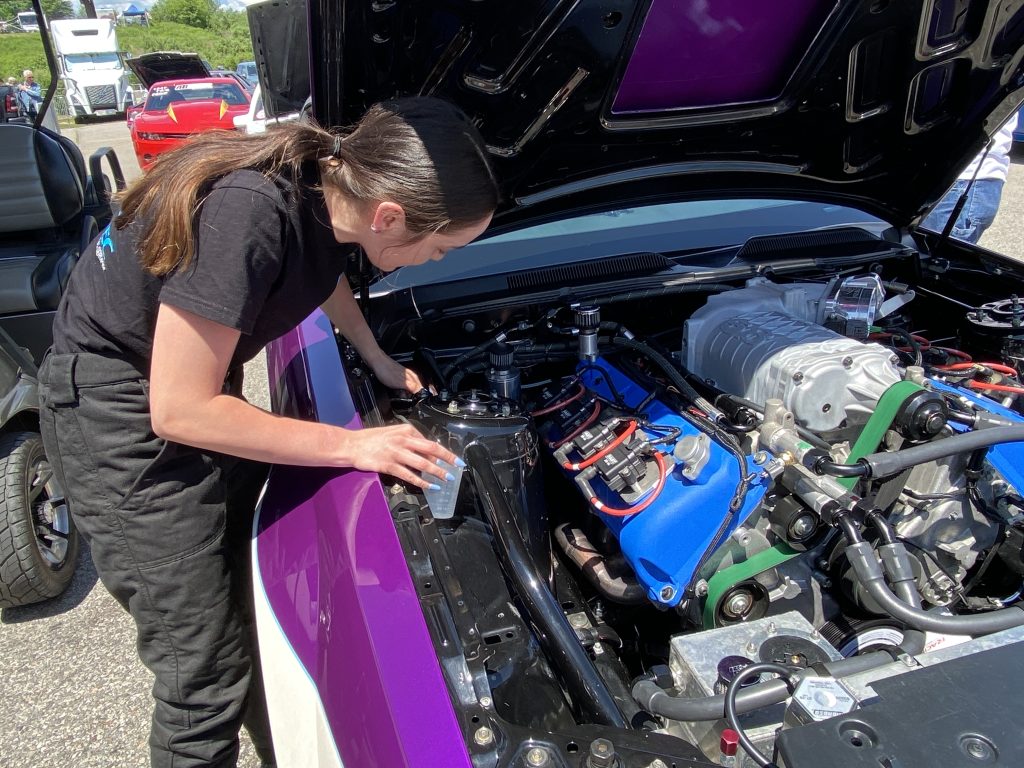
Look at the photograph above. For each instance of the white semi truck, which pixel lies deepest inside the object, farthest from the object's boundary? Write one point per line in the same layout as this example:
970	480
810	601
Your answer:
95	79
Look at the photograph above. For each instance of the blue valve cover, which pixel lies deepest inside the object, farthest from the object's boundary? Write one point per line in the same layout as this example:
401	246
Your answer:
1008	459
664	543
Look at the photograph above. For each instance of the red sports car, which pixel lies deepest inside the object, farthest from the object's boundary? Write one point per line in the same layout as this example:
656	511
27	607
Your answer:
177	109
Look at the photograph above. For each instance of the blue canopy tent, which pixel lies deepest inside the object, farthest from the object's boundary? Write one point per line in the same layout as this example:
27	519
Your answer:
135	15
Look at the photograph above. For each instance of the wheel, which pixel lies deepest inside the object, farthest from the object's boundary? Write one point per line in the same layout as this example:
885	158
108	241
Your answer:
38	540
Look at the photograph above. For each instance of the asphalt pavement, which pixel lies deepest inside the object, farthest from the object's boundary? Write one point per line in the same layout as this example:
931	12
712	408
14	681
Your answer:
73	692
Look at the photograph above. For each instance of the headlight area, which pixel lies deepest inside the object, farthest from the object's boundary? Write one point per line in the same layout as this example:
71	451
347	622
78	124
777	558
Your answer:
670	485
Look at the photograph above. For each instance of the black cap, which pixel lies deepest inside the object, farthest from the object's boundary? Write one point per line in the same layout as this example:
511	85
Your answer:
729	669
501	355
587	317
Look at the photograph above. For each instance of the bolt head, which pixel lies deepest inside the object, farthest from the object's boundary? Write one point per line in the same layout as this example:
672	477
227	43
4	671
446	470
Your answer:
485	701
667	593
738	605
579	621
483	736
602	754
847	362
802	527
798	377
537	757
395	489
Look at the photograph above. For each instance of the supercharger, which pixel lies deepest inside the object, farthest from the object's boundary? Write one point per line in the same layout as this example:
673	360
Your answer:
773	341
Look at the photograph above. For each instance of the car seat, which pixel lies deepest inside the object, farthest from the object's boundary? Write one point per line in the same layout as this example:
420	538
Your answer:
50	209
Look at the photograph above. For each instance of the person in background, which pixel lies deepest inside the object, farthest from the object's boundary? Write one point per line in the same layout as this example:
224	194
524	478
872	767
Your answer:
985	177
29	94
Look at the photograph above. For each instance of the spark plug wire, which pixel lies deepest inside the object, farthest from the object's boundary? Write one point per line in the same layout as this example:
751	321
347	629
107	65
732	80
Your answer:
560	404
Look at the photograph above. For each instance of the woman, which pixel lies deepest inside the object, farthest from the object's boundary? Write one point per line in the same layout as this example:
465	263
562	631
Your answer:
224	245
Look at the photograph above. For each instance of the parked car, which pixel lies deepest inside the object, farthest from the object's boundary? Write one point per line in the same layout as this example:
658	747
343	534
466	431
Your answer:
182	100
247	71
51	206
256	120
26	21
704	371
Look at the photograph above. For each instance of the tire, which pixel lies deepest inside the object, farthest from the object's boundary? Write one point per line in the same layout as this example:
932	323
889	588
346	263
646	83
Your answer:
38	539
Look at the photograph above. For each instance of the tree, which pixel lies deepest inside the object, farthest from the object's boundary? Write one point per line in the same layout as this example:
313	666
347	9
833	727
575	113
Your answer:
88	8
10	7
54	9
57	9
194	13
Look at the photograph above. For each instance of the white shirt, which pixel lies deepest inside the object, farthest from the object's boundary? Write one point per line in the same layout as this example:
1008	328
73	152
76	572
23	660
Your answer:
995	164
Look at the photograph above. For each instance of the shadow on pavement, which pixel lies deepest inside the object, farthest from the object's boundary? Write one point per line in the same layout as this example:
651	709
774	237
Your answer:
81	585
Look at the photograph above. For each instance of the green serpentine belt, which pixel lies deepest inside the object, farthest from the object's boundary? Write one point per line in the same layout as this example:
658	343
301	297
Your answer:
868	442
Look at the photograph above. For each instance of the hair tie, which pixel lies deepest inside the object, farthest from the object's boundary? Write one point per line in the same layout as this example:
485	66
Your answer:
336	151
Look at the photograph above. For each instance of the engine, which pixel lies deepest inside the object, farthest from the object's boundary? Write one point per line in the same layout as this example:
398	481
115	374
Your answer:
789	489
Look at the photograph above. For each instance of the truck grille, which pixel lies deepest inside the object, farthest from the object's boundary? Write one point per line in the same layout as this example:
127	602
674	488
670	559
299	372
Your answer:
101	96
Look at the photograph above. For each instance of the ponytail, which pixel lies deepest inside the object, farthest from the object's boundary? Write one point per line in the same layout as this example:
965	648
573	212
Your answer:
419	152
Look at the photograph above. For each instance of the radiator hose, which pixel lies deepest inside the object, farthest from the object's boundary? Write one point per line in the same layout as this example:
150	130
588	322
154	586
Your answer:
889	463
869	573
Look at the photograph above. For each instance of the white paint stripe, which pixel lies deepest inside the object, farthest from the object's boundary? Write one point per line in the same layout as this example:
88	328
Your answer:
302	734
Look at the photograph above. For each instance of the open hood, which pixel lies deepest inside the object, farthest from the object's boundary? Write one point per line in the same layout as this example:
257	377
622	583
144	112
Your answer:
588	103
166	65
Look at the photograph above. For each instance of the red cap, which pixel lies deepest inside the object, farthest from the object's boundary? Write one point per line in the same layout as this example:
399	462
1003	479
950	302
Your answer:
730	742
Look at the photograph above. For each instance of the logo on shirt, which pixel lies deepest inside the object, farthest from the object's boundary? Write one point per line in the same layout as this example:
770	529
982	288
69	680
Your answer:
103	246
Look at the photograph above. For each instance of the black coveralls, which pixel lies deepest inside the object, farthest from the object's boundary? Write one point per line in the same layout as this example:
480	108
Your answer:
169	525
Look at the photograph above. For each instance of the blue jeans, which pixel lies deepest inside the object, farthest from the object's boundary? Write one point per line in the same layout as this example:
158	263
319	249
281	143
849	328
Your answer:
977	215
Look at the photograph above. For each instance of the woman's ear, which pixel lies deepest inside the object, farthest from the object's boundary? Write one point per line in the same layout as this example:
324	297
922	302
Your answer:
389	218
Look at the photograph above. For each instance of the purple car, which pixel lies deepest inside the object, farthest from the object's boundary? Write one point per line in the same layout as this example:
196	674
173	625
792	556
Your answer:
745	480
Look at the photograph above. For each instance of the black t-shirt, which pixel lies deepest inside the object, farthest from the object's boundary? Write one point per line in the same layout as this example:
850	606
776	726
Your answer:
265	258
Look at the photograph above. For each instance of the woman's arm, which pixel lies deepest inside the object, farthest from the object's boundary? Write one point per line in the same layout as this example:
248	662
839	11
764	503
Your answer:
190	359
343	310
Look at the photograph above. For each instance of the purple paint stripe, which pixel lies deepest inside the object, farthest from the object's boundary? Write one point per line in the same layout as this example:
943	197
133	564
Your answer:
337	581
695	53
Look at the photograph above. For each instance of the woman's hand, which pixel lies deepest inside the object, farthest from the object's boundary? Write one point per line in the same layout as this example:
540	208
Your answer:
400	451
392	374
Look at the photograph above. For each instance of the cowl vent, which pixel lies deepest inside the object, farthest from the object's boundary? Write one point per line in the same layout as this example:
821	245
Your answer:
845	241
629	265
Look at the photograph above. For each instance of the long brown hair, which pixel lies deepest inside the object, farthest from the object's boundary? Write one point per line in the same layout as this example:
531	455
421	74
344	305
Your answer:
419	152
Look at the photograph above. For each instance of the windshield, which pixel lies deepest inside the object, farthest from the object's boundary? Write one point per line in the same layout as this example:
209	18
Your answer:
27	18
78	62
664	228
162	96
